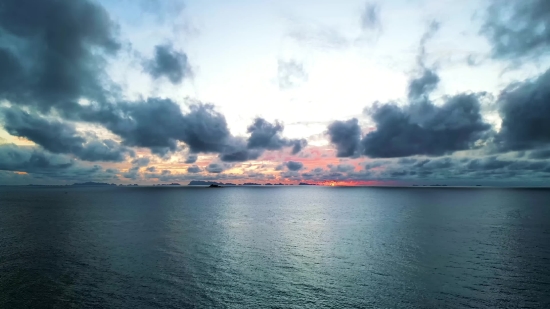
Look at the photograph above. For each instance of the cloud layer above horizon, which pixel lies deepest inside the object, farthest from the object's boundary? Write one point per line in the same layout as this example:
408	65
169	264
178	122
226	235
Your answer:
98	91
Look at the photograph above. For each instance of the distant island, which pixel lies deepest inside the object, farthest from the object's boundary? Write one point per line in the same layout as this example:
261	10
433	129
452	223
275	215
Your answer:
169	184
90	183
306	184
208	183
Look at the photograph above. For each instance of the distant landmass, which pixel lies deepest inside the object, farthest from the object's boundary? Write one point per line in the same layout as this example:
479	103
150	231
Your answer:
208	183
169	184
90	183
306	184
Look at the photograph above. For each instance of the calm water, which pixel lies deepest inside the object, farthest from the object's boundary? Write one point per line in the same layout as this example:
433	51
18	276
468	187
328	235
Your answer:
298	247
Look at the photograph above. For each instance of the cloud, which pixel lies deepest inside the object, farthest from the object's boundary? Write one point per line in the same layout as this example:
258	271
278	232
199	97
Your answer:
165	10
267	136
420	127
143	161
339	168
48	72
59	137
236	150
168	63
319	35
525	111
420	87
542	154
42	164
215	168
425	129
158	124
294	166
191	159
297	145
194	169
51	75
31	160
346	136
132	173
52	51
518	29
427	36
452	170
290	73
370	17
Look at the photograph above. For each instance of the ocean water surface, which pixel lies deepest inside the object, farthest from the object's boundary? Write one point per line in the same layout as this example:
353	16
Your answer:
274	247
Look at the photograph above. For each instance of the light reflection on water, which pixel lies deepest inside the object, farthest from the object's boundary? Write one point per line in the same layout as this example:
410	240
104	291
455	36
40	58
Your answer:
303	247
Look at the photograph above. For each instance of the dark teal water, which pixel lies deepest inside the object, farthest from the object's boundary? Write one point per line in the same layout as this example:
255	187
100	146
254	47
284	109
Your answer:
293	247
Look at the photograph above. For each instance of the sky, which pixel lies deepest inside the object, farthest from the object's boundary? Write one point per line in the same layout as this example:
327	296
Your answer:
396	92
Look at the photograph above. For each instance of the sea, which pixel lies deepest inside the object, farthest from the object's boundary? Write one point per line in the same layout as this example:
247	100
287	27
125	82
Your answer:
274	247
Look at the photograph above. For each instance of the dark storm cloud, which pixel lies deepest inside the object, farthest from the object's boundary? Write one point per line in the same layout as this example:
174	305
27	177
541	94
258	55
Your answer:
133	173
424	128
168	63
59	137
525	111
194	169
489	163
31	160
346	136
40	164
50	52
266	135
215	168
236	150
542	154
290	73
294	166
370	17
191	159
205	130
518	28
158	124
